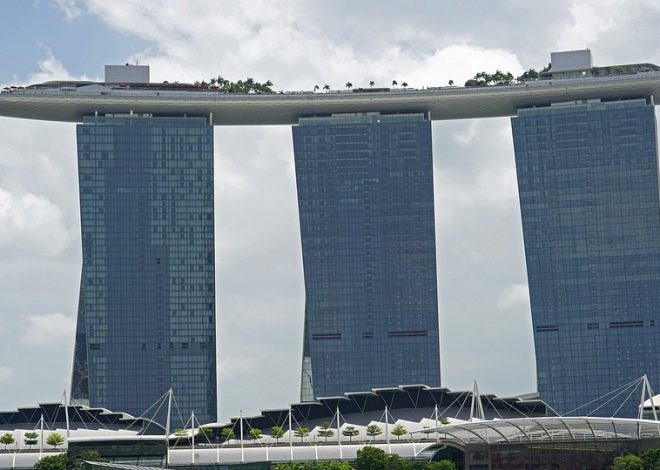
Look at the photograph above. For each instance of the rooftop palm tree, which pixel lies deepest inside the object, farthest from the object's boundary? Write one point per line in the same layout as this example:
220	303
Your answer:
371	83
404	85
394	83
316	88
349	85
326	87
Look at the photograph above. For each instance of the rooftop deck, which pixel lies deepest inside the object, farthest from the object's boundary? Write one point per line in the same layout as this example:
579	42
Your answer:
70	104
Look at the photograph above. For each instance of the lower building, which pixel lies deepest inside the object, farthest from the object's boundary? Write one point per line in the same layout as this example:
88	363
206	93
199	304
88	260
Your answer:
588	182
365	197
475	431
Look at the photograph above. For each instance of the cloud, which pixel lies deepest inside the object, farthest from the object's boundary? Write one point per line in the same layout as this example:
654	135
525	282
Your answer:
49	329
514	296
70	8
282	45
593	19
32	224
6	373
52	68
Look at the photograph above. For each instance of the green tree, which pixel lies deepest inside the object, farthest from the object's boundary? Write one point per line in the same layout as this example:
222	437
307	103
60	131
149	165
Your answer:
371	83
30	438
325	431
326	87
441	465
7	439
316	88
349	85
451	82
651	459
350	432
255	433
227	434
66	462
180	434
486	79
373	430
336	465
204	434
55	439
52	462
530	74
404	85
301	432
394	83
331	465
444	420
276	432
78	463
627	462
399	430
371	458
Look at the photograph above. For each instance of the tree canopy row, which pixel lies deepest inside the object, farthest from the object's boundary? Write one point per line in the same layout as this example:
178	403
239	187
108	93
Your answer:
500	78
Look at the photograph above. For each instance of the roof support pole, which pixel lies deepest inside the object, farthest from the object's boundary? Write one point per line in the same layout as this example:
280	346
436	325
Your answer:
641	399
647	386
66	416
241	437
192	430
290	436
387	431
476	408
338	433
41	438
168	423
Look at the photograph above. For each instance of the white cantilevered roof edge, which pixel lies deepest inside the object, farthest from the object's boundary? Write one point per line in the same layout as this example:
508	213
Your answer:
550	429
285	109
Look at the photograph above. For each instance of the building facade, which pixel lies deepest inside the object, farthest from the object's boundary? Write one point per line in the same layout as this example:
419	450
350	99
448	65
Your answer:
365	197
588	182
146	319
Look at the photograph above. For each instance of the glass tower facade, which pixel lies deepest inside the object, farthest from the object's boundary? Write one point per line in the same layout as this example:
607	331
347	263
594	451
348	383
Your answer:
146	316
588	182
365	198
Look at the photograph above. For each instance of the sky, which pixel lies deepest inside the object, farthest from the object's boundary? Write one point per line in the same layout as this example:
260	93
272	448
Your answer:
485	323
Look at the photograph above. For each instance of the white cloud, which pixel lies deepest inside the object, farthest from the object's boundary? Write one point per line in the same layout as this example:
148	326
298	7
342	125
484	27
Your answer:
49	329
514	296
280	44
70	8
593	19
52	68
6	373
32	224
